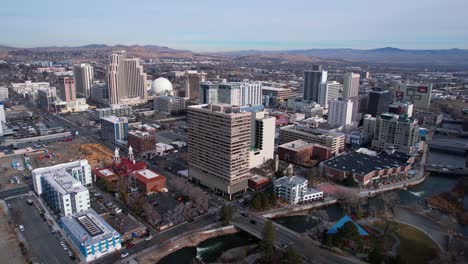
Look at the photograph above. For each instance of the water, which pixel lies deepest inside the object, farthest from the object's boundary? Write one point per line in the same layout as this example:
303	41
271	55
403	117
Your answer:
209	250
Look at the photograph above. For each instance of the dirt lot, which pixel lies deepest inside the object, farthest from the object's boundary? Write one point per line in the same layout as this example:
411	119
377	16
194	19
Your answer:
6	171
9	249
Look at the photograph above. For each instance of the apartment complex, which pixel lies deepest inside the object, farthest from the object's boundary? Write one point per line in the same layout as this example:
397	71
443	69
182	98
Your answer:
79	169
262	138
329	91
126	80
219	139
294	190
398	132
84	78
61	191
114	129
334	140
340	113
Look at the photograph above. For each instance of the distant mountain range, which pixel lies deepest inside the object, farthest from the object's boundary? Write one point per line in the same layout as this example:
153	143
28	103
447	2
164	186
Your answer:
387	55
384	56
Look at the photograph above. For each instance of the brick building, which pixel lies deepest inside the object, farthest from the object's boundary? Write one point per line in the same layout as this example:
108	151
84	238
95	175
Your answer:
143	141
150	182
301	152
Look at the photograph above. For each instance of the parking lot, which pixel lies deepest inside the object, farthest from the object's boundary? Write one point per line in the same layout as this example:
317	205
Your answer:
43	245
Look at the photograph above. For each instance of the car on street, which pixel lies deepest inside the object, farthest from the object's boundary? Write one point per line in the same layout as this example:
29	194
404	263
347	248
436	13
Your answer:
148	238
124	255
21	228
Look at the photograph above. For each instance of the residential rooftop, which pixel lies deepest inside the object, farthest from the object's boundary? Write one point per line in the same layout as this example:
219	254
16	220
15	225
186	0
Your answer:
295	145
290	181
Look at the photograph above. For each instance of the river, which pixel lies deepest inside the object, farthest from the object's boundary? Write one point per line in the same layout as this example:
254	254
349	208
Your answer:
210	249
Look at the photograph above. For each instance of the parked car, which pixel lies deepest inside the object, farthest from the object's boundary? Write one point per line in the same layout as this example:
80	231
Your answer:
124	255
148	238
21	228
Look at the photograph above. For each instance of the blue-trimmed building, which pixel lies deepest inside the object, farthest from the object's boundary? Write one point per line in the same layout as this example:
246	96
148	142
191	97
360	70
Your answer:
91	234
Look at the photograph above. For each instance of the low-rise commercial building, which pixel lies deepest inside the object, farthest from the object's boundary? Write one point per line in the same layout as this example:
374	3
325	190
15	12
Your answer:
367	166
150	182
301	152
143	140
258	182
91	234
332	139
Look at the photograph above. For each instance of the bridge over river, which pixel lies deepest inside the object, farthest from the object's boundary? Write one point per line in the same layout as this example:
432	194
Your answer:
449	145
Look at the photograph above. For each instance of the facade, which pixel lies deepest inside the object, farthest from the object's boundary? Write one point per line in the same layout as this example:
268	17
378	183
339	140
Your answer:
119	111
350	85
91	234
219	139
61	191
379	100
143	140
274	95
4	93
262	138
79	169
419	94
334	140
301	152
170	104
329	91
150	182
232	93
29	89
258	182
312	81
67	89
367	166
340	113
114	129
84	79
126	80
46	97
396	131
192	84
294	190
428	118
100	93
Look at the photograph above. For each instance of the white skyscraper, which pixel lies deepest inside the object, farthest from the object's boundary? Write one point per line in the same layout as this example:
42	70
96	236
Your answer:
126	80
350	85
340	113
329	91
84	78
251	94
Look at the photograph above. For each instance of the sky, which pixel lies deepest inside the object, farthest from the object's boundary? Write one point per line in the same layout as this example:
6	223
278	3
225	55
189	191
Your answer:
223	25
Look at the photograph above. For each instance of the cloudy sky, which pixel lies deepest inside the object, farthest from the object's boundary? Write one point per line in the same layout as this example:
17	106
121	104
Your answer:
214	25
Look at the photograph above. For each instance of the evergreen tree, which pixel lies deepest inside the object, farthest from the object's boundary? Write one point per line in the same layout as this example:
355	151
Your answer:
292	256
268	241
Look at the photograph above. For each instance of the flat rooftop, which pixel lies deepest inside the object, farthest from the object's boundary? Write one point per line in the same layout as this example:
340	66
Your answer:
63	182
363	163
295	145
106	172
290	181
148	174
114	119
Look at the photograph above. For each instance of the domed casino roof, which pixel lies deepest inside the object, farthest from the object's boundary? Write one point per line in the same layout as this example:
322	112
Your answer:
161	86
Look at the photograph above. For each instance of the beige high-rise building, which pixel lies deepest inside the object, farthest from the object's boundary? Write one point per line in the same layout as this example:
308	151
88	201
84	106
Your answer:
192	84
84	78
219	140
350	85
67	89
126	80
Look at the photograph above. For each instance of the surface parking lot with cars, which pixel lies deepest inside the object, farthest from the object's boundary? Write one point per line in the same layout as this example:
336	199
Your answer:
44	243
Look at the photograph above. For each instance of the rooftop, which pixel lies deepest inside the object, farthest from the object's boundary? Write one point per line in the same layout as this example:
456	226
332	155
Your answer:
364	163
279	89
259	178
63	182
295	145
148	174
115	119
290	181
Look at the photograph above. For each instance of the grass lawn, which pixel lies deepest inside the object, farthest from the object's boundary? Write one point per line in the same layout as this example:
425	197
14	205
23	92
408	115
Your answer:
415	246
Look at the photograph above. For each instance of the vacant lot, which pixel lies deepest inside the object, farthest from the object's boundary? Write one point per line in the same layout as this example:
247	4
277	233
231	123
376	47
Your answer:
9	249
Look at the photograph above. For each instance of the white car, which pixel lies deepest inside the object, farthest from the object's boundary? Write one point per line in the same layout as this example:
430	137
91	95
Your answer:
124	255
21	228
148	238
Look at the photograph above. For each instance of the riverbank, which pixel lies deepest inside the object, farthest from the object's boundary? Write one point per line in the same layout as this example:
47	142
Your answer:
157	252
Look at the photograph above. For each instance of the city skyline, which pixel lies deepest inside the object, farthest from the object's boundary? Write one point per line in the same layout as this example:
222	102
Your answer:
240	25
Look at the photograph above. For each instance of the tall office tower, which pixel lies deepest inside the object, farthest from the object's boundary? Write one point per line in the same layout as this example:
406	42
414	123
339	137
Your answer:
350	85
329	91
251	94
218	147
396	131
192	84
419	94
312	81
340	113
379	100
229	93
67	89
208	93
46	96
126	80
84	78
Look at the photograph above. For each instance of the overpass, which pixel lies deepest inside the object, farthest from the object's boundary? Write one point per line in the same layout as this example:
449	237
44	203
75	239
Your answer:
306	247
442	169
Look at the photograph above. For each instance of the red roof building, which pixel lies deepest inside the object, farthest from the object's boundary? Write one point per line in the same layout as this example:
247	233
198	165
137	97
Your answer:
150	182
126	166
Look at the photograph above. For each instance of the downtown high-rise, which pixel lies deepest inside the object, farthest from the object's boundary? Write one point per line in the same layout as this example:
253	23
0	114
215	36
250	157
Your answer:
84	78
126	80
312	81
350	85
